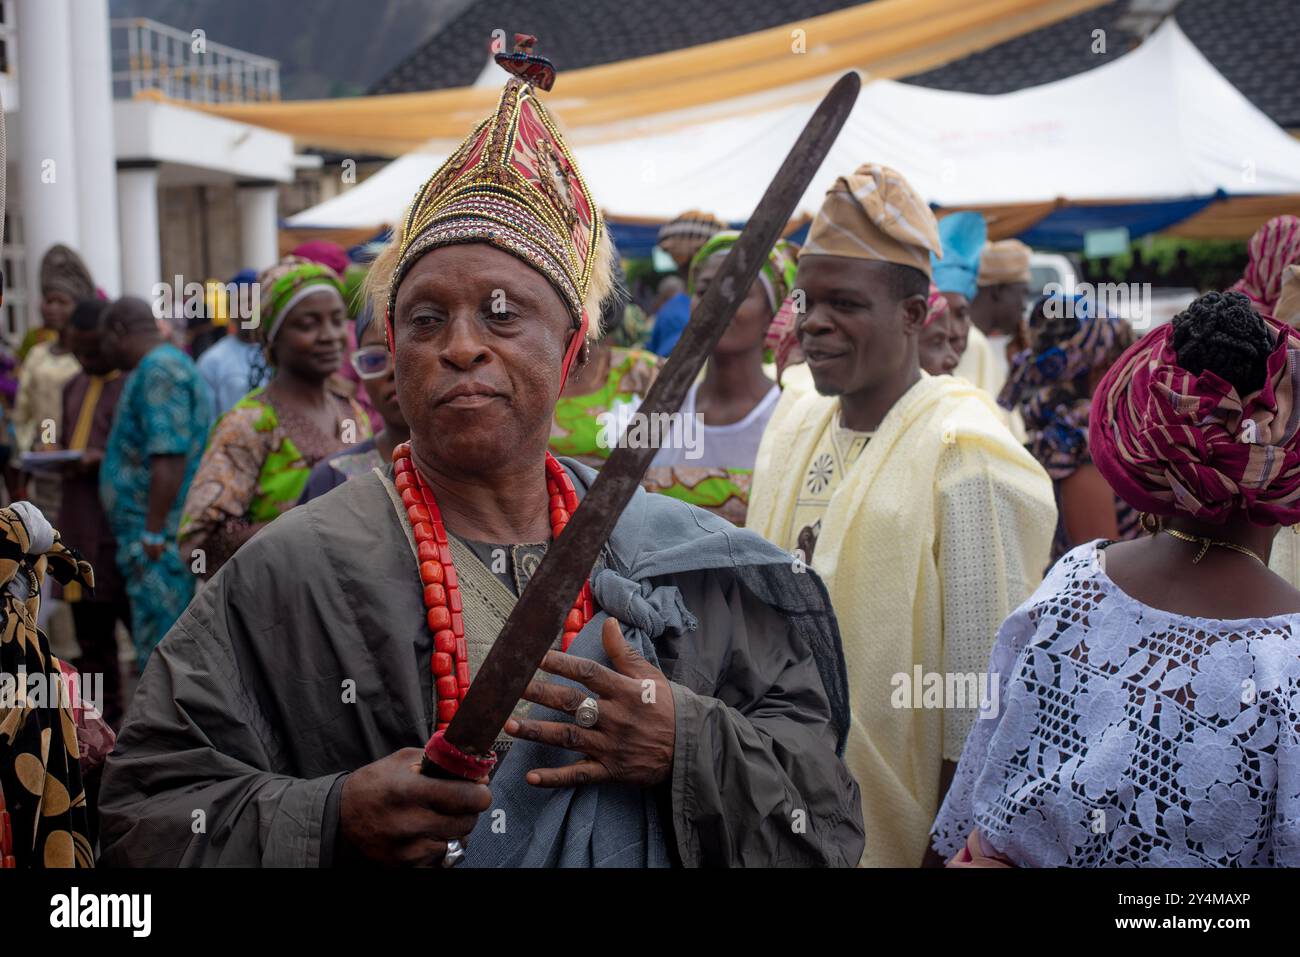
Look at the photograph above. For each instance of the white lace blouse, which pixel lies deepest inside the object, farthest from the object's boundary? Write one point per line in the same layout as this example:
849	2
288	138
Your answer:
1128	736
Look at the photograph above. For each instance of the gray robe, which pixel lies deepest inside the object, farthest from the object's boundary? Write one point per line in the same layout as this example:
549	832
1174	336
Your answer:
307	657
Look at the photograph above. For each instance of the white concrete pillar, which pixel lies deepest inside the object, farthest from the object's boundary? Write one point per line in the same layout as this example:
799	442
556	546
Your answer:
93	115
258	224
137	193
47	156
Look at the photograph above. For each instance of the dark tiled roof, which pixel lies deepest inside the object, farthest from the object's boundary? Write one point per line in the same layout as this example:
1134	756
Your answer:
1255	44
575	35
1052	53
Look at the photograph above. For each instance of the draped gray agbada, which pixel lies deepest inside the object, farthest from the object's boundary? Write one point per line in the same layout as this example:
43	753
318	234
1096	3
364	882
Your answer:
307	657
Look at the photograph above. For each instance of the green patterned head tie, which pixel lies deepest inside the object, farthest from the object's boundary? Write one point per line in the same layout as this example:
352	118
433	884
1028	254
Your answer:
776	274
286	284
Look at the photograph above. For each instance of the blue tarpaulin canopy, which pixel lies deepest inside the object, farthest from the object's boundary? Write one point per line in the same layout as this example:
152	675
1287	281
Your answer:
1064	228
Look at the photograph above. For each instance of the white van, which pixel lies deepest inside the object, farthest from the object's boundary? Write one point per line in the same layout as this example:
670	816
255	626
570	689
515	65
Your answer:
1144	308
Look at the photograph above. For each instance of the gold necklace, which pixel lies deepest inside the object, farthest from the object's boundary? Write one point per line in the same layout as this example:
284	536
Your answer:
1205	544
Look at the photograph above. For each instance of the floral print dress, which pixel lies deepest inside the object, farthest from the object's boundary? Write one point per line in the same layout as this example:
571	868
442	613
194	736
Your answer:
255	468
577	427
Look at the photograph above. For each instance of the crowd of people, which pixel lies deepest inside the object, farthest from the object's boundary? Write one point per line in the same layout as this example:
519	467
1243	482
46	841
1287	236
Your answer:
952	572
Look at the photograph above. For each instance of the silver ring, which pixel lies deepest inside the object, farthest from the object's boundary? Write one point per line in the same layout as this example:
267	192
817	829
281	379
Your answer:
588	713
455	854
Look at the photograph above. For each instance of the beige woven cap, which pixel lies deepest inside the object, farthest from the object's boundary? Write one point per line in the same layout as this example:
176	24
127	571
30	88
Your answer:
875	214
1288	303
1006	261
686	235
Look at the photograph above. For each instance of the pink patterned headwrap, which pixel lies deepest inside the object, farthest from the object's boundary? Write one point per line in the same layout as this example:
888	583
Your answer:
324	252
1274	246
781	338
936	305
1172	442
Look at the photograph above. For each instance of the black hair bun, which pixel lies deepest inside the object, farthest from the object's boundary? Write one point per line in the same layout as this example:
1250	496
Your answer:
1221	332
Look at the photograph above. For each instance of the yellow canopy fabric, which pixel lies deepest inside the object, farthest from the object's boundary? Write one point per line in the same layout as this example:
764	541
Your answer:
887	38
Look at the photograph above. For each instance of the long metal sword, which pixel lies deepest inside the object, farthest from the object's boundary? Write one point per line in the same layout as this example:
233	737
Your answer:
539	614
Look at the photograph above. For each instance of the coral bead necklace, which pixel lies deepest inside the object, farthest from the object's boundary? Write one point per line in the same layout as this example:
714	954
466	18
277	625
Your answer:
442	602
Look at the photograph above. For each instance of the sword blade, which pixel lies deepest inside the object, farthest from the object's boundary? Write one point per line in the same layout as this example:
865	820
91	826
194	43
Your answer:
539	614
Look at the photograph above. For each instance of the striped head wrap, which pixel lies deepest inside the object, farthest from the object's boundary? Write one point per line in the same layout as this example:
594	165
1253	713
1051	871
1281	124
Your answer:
1169	441
935	305
62	270
781	338
682	237
1274	246
776	275
1003	262
1288	301
875	214
286	284
1048	382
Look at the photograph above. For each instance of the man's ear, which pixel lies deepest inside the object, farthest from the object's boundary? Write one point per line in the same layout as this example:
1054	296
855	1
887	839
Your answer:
914	309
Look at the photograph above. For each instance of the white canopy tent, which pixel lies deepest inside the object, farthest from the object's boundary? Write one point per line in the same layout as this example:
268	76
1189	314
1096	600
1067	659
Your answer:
1157	124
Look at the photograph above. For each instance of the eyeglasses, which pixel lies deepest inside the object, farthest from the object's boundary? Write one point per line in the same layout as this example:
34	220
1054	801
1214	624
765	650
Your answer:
372	362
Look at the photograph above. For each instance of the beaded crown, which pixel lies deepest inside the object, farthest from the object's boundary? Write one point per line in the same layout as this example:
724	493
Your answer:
514	184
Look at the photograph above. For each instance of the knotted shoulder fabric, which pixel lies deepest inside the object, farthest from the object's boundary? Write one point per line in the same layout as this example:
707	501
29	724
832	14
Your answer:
614	824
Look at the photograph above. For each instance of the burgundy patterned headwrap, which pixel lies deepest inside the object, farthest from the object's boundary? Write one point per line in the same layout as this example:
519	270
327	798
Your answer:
1274	246
1172	442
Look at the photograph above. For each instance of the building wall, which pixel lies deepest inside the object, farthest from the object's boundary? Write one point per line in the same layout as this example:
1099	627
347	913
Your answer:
200	233
313	186
303	193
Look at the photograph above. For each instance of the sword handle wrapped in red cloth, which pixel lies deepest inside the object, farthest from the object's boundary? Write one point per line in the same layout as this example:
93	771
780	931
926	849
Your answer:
442	759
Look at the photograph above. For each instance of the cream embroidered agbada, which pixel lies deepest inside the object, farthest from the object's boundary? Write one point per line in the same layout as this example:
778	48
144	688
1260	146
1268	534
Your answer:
977	365
933	533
